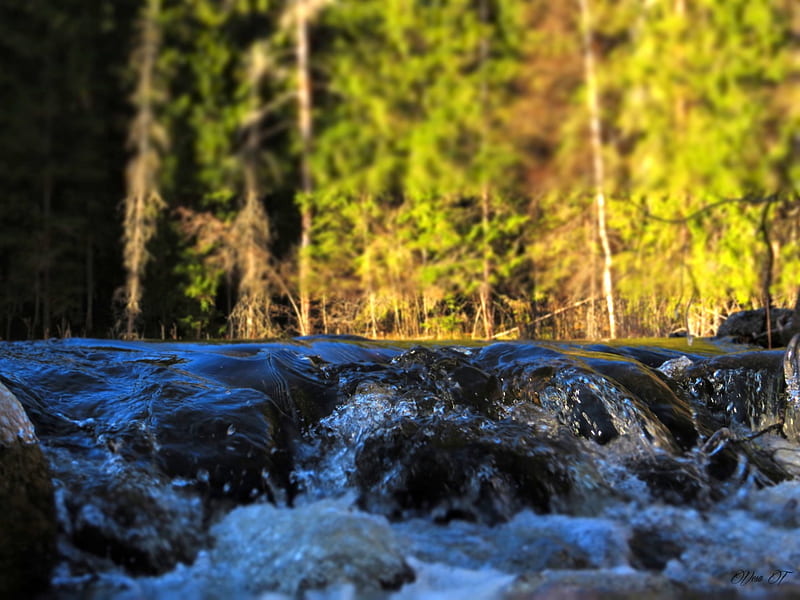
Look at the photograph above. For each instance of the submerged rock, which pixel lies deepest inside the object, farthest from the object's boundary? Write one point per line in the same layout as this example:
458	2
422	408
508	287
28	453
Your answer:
598	397
745	389
27	513
464	467
528	542
229	442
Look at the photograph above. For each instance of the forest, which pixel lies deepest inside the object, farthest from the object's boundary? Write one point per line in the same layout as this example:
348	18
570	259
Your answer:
488	169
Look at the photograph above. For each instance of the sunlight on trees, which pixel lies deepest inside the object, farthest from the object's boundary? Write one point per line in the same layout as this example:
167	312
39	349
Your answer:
396	167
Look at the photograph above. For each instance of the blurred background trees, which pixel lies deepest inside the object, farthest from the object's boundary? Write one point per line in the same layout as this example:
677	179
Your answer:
251	168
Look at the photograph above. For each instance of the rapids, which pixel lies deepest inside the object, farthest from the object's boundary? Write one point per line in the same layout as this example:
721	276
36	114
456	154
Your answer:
337	467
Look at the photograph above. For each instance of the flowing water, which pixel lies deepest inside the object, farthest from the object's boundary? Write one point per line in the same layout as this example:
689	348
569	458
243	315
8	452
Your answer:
338	468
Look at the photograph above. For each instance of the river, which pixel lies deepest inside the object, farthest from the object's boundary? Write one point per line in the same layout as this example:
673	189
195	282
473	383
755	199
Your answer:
338	468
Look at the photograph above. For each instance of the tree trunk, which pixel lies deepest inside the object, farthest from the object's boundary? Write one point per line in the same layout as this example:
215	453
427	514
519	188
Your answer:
304	104
486	308
598	170
143	200
250	241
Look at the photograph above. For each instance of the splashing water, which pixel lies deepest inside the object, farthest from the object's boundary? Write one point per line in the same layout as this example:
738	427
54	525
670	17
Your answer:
330	468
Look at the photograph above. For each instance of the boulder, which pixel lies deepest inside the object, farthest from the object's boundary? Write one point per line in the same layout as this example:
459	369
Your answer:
27	510
306	548
126	513
465	467
750	327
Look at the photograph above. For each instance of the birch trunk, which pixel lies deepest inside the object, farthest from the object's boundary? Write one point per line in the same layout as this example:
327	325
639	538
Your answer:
486	307
304	104
598	167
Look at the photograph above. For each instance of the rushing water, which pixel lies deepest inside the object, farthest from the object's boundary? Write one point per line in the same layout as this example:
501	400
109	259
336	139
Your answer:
343	468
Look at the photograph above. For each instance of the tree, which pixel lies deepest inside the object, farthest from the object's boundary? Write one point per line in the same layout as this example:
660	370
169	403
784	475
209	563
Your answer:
300	14
59	151
415	133
697	129
148	141
598	164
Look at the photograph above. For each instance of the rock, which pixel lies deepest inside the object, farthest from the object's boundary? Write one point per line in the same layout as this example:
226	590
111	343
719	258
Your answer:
27	512
537	542
465	467
309	547
713	550
791	373
228	441
743	388
529	542
126	513
750	327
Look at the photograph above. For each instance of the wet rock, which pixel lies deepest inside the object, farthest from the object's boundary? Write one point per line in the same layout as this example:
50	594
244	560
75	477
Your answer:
450	374
591	397
464	467
228	442
528	542
791	373
309	547
745	389
670	410
429	377
651	550
230	458
706	550
126	513
670	479
534	542
27	513
750	327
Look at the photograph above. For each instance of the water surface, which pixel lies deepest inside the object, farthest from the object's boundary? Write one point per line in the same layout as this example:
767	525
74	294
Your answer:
345	468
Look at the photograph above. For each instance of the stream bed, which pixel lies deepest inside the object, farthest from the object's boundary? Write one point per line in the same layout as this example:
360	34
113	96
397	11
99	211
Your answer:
342	468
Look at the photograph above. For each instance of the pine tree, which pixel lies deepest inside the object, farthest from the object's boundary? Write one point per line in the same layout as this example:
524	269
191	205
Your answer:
59	148
697	124
413	139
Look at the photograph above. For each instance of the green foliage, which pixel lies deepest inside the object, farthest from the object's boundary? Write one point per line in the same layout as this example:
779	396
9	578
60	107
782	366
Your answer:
412	140
451	162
